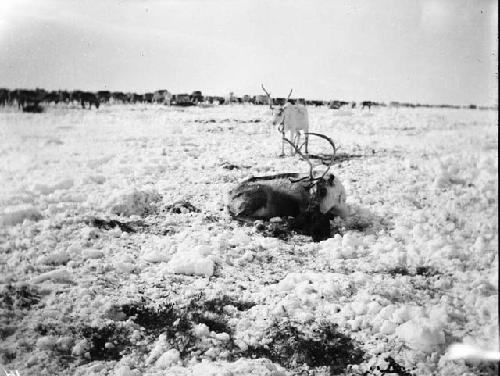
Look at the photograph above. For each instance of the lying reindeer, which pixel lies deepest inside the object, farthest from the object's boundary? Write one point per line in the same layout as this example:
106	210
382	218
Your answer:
312	201
292	118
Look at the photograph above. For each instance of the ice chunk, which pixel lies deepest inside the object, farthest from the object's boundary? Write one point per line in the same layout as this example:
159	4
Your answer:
161	345
168	358
57	258
124	267
92	254
191	263
98	179
201	330
126	371
388	327
17	214
155	255
81	348
133	202
59	275
47	189
401	315
46	343
374	308
359	307
421	335
63	184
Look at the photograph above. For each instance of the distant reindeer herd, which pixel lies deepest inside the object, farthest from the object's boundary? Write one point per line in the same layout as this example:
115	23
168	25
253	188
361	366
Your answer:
23	98
27	98
33	98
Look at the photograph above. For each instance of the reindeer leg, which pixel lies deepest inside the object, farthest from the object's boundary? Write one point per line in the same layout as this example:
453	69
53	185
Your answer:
292	137
282	144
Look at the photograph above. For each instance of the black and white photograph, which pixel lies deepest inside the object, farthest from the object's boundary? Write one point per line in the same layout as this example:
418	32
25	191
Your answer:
249	187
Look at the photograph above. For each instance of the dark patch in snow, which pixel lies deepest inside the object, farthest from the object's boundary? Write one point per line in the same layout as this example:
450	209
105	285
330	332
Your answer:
46	328
396	368
203	121
109	341
217	304
206	121
219	129
211	218
7	355
216	323
393	368
182	207
108	224
339	158
288	345
310	223
230	166
210	312
7	330
425	271
279	230
399	270
98	337
484	369
18	297
152	319
177	322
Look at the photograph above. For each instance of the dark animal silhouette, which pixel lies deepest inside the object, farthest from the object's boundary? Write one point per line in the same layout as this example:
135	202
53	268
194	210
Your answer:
85	97
312	201
25	97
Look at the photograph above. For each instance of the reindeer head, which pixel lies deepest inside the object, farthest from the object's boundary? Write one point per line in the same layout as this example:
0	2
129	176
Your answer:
330	195
279	115
279	112
327	193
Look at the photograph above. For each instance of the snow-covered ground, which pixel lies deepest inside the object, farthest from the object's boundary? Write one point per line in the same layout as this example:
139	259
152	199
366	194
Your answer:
182	289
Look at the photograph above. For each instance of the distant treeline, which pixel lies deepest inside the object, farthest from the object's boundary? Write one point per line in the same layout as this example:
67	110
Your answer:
33	98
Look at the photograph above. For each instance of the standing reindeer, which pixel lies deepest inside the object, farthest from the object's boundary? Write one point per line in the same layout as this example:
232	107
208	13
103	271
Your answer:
311	200
292	118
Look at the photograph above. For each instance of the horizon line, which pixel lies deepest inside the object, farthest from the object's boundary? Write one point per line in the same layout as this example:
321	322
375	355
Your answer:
419	103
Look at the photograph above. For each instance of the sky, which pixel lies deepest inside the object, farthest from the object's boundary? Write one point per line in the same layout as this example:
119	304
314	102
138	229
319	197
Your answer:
420	51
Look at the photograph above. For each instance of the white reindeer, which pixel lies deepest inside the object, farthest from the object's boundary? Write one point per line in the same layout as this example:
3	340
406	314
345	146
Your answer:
292	118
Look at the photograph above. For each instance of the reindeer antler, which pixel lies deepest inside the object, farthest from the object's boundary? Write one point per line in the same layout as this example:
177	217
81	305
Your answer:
289	95
323	161
268	95
297	150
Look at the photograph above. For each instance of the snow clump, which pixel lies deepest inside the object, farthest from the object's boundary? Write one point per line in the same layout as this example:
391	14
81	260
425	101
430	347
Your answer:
423	335
192	261
46	189
157	250
242	367
17	214
133	202
58	275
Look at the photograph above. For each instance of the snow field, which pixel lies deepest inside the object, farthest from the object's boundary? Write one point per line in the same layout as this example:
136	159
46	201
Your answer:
412	271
